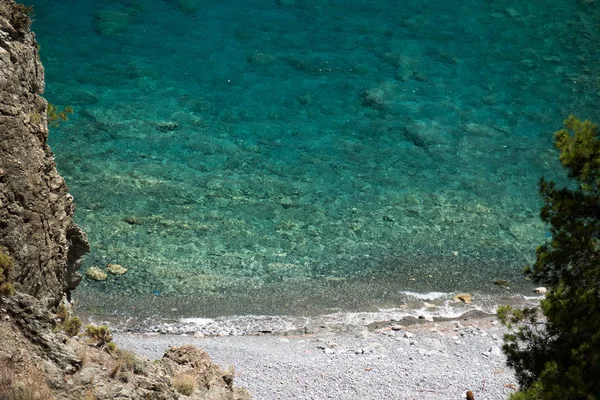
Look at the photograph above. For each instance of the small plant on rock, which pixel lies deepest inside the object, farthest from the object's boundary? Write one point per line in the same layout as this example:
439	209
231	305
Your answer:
56	116
20	17
6	267
71	325
126	363
184	384
101	337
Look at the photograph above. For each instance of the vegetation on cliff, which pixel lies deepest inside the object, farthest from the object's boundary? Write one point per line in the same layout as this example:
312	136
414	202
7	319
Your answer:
6	267
557	356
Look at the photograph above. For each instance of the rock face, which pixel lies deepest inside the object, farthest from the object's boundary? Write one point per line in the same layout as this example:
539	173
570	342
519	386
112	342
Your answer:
39	361
36	211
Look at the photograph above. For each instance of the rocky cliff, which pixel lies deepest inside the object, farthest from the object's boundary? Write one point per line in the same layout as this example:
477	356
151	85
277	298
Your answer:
36	211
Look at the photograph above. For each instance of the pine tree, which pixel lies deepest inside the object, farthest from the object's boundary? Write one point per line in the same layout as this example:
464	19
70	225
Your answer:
557	355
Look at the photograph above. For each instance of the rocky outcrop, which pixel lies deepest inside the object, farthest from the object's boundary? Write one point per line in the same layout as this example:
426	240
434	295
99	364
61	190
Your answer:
38	361
36	211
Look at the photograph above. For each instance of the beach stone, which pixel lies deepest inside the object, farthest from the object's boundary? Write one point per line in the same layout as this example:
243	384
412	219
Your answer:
437	345
373	348
96	274
402	340
116	269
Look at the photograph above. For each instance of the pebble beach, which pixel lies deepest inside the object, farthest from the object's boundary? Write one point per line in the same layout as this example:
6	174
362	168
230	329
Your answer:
409	360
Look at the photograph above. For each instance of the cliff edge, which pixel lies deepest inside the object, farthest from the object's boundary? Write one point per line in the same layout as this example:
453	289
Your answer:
36	211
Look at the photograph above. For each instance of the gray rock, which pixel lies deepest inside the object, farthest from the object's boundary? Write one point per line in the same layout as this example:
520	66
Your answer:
495	351
38	231
373	348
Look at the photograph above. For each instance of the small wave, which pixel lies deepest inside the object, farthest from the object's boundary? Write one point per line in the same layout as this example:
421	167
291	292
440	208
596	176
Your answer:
426	296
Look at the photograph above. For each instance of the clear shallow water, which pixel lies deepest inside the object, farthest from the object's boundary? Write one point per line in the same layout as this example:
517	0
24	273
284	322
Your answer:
286	157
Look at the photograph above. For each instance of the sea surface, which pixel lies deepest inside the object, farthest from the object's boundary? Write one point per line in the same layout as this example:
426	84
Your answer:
310	157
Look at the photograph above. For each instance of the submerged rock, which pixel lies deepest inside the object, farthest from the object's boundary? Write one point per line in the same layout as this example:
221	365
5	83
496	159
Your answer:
96	274
116	269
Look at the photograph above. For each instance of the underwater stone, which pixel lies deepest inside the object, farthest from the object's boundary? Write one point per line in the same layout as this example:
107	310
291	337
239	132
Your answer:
96	274
116	269
286	202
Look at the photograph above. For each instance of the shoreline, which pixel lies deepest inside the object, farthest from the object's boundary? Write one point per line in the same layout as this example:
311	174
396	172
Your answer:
416	308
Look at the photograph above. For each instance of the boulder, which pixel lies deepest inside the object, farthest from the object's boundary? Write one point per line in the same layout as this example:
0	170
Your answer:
116	269
96	274
464	297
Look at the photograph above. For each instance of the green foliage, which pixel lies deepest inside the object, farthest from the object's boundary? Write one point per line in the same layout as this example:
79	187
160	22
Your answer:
184	384
6	268
557	356
20	16
101	337
130	362
7	289
56	116
62	312
35	118
71	326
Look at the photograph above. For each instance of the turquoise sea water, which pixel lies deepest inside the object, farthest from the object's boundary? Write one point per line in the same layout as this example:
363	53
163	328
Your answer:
304	156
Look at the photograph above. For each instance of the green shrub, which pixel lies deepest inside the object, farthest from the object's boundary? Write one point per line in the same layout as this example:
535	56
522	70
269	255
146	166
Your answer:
20	16
7	289
56	116
6	268
71	326
101	337
184	384
557	356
